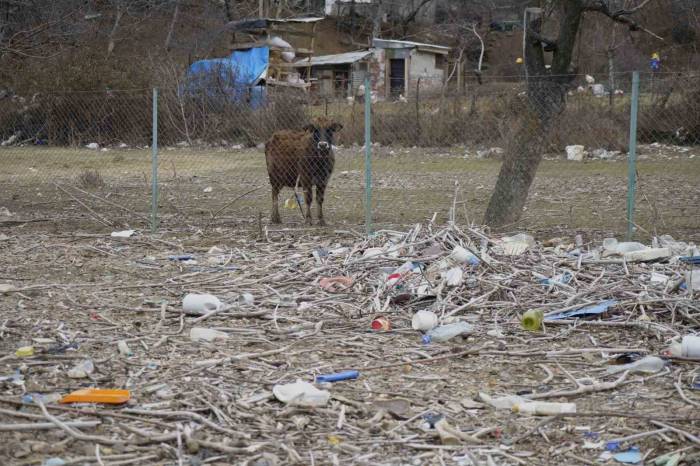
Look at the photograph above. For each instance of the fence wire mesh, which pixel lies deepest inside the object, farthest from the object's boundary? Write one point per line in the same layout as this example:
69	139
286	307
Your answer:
75	160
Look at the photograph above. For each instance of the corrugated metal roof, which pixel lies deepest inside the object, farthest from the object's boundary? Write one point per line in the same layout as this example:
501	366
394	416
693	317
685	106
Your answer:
399	44
336	59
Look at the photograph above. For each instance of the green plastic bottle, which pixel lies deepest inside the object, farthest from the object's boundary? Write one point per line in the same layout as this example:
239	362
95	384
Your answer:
532	319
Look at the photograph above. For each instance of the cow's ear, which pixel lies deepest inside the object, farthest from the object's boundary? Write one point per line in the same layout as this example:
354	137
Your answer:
310	128
336	127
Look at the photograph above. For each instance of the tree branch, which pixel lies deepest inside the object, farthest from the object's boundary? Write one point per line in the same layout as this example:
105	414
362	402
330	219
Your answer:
620	16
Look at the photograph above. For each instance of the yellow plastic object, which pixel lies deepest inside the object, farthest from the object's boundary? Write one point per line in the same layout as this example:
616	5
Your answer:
290	203
98	395
532	319
519	61
24	351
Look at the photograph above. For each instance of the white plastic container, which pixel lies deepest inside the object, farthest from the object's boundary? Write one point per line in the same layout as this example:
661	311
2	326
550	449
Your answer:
543	408
424	321
206	334
301	393
692	280
447	332
453	277
690	346
648	254
200	304
124	349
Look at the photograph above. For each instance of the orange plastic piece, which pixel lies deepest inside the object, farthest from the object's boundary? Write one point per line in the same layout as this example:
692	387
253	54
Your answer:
97	395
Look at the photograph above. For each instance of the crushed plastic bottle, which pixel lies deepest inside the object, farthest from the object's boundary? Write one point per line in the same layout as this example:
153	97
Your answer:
612	246
463	256
447	332
647	365
82	370
692	280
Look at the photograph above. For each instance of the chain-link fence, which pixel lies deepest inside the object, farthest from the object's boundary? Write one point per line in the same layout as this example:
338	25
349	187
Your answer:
72	160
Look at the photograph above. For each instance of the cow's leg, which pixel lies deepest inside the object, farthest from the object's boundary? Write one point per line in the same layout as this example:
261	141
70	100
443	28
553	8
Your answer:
275	204
308	198
320	191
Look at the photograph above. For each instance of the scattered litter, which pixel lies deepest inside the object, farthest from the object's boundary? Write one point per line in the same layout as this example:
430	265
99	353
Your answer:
200	304
122	234
208	189
335	284
532	319
24	351
301	393
381	323
182	257
206	334
124	349
463	256
424	321
346	375
575	153
692	280
82	370
93	146
5	212
543	408
648	365
447	332
631	456
97	395
454	277
586	311
517	244
55	461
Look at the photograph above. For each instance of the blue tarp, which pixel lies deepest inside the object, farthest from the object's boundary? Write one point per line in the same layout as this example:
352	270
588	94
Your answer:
237	76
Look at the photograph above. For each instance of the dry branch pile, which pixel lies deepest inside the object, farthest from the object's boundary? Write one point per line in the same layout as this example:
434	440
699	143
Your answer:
73	298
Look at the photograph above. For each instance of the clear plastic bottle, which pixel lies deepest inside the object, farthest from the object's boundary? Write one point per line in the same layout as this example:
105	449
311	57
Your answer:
648	364
446	332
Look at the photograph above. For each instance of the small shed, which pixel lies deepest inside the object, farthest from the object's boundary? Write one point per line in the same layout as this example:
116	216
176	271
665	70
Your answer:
399	63
337	75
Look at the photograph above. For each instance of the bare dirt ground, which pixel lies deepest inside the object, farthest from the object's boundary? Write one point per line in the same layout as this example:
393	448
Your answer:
73	292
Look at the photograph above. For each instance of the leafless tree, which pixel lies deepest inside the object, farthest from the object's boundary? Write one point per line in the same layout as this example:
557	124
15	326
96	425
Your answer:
546	96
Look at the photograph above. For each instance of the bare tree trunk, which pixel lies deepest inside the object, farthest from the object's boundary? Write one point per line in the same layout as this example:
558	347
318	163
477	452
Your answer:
173	20
546	98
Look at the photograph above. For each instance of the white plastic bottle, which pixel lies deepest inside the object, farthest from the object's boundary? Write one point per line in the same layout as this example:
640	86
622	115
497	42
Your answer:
543	408
446	332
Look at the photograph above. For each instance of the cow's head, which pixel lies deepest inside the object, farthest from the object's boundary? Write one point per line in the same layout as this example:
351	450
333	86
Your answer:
322	131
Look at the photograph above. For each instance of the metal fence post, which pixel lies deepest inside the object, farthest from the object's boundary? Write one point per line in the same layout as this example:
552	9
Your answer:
154	164
368	157
632	157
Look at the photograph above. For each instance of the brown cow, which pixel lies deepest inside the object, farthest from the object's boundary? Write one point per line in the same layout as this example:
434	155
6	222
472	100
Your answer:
302	158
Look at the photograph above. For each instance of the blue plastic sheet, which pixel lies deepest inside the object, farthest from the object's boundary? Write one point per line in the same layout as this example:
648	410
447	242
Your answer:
237	76
631	456
584	311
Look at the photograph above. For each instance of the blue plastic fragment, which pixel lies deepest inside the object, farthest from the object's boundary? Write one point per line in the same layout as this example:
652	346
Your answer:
691	260
595	309
55	461
631	456
345	375
426	339
612	446
183	257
